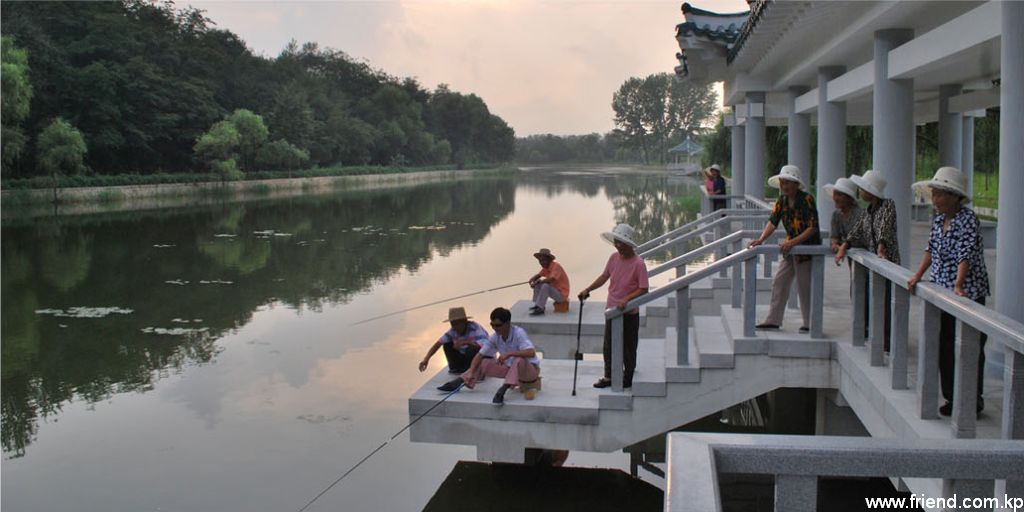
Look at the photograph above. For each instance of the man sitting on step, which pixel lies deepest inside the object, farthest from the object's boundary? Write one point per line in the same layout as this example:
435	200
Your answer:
508	354
551	281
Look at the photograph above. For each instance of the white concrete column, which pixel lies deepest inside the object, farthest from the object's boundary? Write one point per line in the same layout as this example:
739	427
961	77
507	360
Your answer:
967	153
798	135
892	140
1010	229
951	126
831	142
739	138
754	159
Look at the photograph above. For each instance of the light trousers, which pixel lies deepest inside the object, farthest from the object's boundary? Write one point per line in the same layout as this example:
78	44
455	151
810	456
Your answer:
787	271
543	291
521	370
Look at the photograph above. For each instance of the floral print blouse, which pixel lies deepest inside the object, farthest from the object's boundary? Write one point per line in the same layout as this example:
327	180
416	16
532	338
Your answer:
877	227
797	217
961	242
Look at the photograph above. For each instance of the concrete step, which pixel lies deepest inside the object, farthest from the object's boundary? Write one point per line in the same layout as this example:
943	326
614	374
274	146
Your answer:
784	342
649	378
713	343
675	372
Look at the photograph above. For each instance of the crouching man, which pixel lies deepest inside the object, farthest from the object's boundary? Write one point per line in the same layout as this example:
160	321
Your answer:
508	354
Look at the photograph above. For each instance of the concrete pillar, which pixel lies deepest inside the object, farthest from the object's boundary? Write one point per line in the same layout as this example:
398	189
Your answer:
831	142
892	140
754	159
967	153
1010	229
951	126
739	138
799	136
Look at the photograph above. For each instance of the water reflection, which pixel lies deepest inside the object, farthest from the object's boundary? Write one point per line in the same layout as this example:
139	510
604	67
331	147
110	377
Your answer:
189	277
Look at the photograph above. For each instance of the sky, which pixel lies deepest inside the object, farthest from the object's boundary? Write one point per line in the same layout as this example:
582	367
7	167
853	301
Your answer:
542	66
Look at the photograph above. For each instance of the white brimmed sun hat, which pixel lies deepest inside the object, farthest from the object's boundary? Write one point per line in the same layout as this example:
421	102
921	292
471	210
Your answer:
788	173
843	185
949	179
623	233
871	182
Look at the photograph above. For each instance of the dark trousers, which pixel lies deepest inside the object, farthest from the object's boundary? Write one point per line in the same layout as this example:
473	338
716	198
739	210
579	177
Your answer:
457	361
947	355
630	340
886	318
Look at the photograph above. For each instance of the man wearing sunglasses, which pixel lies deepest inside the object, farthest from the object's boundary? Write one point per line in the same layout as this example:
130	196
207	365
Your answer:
507	354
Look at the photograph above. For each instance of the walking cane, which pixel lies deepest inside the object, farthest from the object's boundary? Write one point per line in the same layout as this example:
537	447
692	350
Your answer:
577	356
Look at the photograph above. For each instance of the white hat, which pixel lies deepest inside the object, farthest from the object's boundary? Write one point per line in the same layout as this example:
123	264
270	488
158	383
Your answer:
788	173
715	167
843	185
871	182
623	233
949	179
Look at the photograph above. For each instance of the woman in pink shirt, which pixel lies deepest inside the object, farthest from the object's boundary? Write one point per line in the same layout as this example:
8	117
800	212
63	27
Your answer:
628	275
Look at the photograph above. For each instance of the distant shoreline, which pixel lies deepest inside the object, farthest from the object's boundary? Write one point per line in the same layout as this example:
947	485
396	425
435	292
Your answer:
85	200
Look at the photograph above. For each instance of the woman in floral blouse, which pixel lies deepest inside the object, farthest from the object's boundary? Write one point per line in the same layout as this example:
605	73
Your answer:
876	231
956	259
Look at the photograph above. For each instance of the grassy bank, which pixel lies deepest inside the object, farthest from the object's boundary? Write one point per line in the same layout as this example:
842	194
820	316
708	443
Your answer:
116	180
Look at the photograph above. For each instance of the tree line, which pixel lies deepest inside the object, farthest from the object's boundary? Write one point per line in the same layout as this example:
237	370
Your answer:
652	115
132	86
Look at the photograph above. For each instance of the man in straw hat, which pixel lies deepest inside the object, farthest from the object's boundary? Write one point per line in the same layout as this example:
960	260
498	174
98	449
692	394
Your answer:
955	259
628	275
798	213
551	282
460	343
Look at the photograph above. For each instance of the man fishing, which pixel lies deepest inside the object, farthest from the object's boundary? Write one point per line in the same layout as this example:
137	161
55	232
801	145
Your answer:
507	354
551	282
461	342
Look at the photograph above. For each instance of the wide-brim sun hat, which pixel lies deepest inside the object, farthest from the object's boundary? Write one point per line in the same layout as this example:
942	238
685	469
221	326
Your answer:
543	253
842	185
715	167
871	182
623	233
456	314
788	173
949	179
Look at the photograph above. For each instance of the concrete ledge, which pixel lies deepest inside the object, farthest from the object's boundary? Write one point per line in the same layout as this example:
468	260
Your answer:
680	374
649	379
611	401
713	343
800	348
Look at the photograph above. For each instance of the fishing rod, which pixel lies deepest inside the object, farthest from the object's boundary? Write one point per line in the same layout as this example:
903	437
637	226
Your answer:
438	302
382	445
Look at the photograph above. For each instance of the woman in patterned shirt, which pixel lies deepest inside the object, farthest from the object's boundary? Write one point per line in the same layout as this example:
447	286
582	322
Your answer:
876	231
955	256
797	212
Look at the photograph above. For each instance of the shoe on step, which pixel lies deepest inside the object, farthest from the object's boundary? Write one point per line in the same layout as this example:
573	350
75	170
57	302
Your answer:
499	397
766	326
946	409
451	385
537	312
805	329
602	383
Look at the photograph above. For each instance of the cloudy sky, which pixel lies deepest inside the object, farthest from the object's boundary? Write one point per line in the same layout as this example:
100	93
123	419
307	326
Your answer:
543	66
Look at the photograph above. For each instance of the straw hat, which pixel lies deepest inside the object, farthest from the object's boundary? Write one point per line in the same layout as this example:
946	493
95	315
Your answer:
871	182
843	185
949	179
788	173
456	314
543	253
623	233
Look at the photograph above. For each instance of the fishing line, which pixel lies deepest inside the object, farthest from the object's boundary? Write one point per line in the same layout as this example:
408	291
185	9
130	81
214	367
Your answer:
382	445
438	302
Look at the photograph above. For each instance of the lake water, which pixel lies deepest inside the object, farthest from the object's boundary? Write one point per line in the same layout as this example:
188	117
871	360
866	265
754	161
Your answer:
206	359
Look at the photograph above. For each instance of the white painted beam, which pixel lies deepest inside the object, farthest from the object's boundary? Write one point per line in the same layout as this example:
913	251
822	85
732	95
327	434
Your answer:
974	100
807	102
929	51
856	82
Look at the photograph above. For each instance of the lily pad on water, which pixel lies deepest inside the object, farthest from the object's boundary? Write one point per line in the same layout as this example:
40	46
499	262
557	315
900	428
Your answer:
85	312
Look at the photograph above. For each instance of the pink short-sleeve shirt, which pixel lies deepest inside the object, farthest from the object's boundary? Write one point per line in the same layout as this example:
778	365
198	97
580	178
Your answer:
626	275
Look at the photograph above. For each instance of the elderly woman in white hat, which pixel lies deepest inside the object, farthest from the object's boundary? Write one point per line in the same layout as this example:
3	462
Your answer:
628	274
847	213
798	213
715	184
955	257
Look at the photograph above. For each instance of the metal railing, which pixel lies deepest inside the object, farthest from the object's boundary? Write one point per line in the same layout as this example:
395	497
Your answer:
720	221
970	466
972	319
744	292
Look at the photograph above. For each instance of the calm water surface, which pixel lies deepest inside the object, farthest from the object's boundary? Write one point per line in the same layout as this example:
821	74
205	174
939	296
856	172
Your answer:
205	359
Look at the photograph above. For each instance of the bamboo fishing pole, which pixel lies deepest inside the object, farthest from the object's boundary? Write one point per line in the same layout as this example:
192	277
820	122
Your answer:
438	302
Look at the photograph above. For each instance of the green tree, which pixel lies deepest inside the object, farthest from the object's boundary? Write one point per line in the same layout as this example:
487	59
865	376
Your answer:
220	143
16	96
627	103
654	111
281	155
252	133
61	149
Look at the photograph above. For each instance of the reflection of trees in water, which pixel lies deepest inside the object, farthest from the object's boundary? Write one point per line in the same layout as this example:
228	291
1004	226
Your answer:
110	260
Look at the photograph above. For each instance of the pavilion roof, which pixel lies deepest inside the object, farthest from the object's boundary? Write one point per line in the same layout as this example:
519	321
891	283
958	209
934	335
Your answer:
687	146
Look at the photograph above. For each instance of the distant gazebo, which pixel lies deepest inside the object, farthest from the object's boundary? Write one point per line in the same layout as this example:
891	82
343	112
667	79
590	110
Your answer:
688	147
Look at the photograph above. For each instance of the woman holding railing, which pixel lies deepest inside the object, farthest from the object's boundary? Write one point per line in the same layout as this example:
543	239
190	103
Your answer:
876	231
798	213
955	257
846	216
